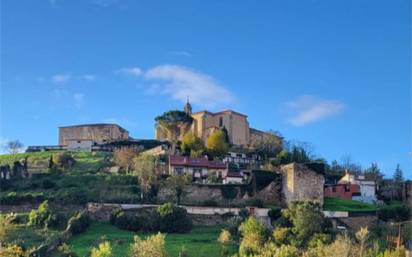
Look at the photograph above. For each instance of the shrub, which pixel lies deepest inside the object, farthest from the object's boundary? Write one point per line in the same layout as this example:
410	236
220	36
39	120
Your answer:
274	213
173	219
18	198
65	251
47	184
395	212
211	203
71	196
125	221
256	202
64	160
152	246
78	223
103	250
123	157
38	217
253	234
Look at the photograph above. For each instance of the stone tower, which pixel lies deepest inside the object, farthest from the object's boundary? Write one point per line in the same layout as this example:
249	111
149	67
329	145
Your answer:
188	108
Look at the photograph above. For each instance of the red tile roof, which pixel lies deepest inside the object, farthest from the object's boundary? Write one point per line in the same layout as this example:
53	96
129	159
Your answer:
195	162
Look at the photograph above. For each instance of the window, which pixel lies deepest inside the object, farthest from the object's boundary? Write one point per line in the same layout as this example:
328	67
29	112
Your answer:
334	189
220	122
347	189
178	171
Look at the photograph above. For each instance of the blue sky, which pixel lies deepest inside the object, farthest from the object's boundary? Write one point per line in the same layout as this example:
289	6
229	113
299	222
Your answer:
336	74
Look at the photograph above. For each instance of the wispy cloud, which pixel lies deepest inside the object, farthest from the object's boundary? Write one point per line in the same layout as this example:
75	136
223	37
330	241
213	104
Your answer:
78	100
88	77
181	82
133	71
60	78
308	109
181	53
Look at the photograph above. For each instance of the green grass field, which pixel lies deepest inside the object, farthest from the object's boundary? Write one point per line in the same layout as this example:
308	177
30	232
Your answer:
337	204
200	242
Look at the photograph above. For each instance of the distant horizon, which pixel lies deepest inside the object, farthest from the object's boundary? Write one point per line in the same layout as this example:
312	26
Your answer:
334	74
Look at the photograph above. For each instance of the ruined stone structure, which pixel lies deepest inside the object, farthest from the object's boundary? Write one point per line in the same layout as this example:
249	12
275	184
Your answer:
301	183
205	123
97	133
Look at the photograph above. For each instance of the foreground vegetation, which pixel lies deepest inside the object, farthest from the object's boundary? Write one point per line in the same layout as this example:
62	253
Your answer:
201	241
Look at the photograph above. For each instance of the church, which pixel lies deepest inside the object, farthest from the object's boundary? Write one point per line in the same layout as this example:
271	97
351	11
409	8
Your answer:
206	122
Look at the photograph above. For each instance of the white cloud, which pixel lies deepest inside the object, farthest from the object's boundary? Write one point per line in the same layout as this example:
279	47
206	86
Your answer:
60	78
308	109
133	71
181	82
78	100
88	77
181	53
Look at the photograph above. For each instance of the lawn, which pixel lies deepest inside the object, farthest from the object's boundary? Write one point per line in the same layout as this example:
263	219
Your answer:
200	242
337	204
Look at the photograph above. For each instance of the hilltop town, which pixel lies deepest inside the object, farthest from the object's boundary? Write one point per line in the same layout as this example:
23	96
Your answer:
214	166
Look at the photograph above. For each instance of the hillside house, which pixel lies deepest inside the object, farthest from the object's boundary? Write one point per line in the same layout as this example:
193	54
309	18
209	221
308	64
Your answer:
199	168
367	187
234	177
344	191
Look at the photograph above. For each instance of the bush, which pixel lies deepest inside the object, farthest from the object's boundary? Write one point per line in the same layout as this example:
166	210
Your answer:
211	203
78	223
38	217
125	221
274	213
394	212
47	184
151	246
63	160
256	202
71	196
18	198
173	219
103	250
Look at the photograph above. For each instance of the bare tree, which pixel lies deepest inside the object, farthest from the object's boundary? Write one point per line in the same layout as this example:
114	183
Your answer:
14	146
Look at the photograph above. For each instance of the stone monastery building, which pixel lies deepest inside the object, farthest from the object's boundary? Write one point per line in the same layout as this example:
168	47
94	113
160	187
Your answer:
236	124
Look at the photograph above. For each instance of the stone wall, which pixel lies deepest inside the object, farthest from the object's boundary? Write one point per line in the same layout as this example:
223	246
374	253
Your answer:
301	183
356	222
223	195
99	133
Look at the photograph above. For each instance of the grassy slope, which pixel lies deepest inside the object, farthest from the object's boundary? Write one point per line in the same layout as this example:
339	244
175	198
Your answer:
337	204
201	242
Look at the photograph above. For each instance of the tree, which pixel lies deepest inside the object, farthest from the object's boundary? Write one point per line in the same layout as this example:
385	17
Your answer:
398	174
103	250
374	173
145	169
307	219
362	235
14	146
253	237
192	145
173	123
123	158
216	143
152	246
271	144
178	183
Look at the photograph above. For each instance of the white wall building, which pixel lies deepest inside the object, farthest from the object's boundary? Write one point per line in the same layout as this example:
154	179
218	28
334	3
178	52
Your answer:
367	187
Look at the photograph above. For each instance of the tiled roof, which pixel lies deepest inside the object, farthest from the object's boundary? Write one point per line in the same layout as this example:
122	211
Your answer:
195	162
234	174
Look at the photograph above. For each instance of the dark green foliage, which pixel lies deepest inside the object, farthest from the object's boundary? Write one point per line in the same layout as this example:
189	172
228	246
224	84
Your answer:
229	192
173	117
275	213
395	213
71	196
255	202
47	217
19	198
78	223
210	203
244	213
47	184
174	219
124	220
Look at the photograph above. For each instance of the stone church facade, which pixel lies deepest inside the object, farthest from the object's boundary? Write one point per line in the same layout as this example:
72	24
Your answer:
206	122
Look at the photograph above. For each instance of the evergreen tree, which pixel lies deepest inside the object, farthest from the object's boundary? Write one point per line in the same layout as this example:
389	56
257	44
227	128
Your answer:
398	174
